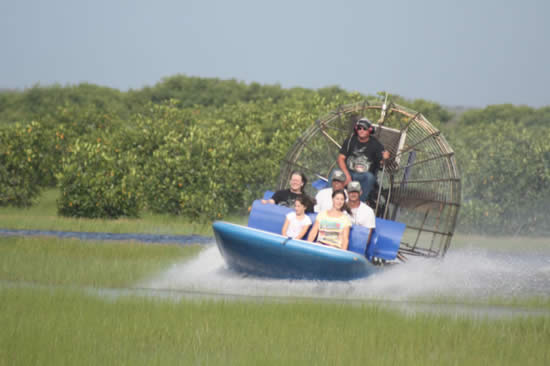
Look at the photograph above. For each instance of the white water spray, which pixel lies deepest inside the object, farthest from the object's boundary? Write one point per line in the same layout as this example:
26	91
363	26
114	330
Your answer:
469	272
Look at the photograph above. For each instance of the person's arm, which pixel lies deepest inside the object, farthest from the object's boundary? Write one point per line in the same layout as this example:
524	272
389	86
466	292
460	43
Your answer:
277	197
285	227
303	232
314	230
370	234
342	164
384	154
345	238
317	206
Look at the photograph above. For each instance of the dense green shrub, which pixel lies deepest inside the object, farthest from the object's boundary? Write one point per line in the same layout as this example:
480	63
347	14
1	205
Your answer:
220	143
204	172
192	163
99	180
21	163
506	176
38	102
198	167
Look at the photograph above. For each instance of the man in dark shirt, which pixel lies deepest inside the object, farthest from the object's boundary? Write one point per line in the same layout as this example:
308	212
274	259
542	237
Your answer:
361	155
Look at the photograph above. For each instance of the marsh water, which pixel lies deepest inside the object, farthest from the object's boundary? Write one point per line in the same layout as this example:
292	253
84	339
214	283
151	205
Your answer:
464	272
465	276
418	286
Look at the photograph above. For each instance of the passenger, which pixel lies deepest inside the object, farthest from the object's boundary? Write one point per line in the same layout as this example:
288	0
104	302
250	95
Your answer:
360	157
286	197
361	213
297	222
333	225
324	196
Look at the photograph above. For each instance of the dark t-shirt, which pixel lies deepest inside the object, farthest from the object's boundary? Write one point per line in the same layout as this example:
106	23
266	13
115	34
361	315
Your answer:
287	198
362	157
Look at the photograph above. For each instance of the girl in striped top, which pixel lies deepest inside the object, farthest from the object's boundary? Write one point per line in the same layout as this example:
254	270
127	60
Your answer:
332	226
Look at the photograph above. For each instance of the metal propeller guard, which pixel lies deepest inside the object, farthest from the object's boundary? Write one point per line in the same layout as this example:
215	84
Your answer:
420	185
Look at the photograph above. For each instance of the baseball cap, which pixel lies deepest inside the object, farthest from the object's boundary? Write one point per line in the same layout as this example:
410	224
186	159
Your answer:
338	175
364	122
354	187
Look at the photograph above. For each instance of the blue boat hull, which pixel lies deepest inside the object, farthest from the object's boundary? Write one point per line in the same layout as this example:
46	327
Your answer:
264	253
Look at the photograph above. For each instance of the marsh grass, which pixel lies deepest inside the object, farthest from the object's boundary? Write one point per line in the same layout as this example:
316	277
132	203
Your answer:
84	263
58	321
508	243
541	302
43	216
54	327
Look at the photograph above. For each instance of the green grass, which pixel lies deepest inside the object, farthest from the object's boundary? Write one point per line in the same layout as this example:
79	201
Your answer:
72	262
43	216
55	327
501	243
536	303
48	316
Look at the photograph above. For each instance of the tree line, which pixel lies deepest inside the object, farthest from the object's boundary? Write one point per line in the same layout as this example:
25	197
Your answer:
205	147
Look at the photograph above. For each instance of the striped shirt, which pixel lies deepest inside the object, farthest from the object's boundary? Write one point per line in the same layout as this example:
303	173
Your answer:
331	229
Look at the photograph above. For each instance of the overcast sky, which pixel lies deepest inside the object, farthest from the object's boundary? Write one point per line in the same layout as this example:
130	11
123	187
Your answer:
460	53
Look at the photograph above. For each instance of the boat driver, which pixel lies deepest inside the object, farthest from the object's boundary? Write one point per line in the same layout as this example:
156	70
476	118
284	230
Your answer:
361	156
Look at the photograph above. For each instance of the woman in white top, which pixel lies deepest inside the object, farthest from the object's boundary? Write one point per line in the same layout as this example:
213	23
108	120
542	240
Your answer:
297	223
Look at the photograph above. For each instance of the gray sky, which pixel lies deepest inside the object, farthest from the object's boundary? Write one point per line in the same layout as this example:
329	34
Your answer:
468	52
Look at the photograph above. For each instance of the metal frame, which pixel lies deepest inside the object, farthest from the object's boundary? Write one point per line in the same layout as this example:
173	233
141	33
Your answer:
425	194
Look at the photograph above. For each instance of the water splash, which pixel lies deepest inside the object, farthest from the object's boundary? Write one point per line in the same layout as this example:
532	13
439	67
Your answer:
471	272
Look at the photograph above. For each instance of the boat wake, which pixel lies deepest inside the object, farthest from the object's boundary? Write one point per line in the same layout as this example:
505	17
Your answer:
472	272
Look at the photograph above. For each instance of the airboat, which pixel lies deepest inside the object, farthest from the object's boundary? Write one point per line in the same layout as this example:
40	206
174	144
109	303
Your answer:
416	200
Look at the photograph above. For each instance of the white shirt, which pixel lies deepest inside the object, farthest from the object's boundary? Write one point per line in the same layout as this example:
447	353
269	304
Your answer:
295	226
364	216
324	200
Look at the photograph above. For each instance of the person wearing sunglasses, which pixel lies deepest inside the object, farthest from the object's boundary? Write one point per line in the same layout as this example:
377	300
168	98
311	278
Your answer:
361	156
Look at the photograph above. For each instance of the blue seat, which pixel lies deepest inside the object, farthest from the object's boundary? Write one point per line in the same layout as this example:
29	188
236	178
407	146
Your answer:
384	242
386	239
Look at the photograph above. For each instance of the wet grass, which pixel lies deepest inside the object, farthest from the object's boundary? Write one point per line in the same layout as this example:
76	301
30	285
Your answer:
48	316
55	261
54	327
507	243
540	302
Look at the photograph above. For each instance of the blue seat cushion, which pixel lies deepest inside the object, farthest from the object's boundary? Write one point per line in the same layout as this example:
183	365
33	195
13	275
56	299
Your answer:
384	242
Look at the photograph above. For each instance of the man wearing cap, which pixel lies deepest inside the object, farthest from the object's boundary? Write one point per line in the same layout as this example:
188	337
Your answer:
361	214
324	196
361	155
